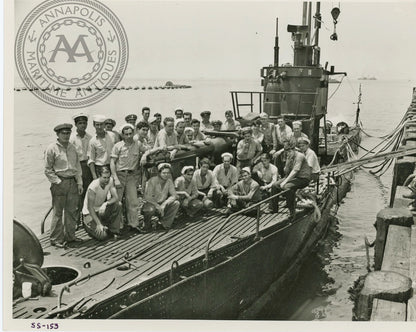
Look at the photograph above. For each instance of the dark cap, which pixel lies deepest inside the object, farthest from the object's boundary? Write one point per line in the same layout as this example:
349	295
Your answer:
131	117
205	113
113	122
63	126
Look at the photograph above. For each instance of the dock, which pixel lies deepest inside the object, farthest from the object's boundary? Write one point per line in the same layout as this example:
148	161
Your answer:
389	292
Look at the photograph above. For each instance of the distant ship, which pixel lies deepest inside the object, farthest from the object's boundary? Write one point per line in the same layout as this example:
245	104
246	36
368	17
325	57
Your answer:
365	78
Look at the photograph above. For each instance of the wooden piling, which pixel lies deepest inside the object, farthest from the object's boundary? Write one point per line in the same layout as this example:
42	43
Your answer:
384	285
386	217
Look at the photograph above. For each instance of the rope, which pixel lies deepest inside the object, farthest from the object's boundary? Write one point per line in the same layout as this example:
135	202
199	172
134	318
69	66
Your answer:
339	84
106	88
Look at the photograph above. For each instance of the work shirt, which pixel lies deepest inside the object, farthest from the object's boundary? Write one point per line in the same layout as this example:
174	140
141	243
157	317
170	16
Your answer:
258	137
151	138
189	187
226	179
99	149
165	140
299	136
127	156
144	142
268	134
312	160
210	180
154	191
247	151
81	144
282	134
101	195
231	125
206	126
199	136
182	139
247	191
61	161
268	175
298	163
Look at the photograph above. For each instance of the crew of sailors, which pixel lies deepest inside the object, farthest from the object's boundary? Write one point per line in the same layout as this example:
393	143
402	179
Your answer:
94	178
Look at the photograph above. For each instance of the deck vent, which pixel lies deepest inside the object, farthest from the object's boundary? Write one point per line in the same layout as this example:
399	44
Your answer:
60	274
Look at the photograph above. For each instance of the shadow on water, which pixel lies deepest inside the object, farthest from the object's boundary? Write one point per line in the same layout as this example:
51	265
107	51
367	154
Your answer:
313	285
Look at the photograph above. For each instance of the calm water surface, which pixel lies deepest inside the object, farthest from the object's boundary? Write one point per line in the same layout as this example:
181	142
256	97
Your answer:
322	290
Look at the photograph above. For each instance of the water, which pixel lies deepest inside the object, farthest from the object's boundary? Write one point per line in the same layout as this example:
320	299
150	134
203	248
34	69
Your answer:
322	290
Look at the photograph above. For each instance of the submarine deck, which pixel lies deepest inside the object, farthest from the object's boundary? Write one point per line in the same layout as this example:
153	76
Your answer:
149	255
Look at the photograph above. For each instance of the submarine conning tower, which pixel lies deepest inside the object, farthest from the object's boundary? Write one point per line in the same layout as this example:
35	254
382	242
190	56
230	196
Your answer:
298	91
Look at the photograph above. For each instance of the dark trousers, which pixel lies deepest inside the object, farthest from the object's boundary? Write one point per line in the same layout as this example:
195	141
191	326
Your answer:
64	198
111	218
292	186
86	180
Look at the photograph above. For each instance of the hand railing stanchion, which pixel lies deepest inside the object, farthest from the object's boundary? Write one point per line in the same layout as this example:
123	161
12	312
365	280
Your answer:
257	224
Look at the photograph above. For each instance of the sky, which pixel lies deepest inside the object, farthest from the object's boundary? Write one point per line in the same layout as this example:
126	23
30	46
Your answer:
233	40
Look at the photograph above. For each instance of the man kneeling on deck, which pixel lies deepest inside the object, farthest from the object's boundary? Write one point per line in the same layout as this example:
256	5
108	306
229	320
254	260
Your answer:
188	192
244	193
298	175
102	215
160	199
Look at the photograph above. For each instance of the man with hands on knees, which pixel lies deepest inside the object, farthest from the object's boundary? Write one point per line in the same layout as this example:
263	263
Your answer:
102	209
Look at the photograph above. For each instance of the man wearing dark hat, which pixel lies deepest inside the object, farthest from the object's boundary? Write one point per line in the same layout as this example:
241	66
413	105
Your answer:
80	139
248	149
297	176
158	116
63	170
131	118
205	122
100	146
109	125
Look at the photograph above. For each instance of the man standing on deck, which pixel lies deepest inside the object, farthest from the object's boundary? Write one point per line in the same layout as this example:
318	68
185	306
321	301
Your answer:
180	132
248	149
205	122
187	117
109	125
131	118
267	130
102	209
100	146
298	176
80	139
230	123
282	132
153	131
124	164
310	156
63	170
166	138
178	114
297	131
145	114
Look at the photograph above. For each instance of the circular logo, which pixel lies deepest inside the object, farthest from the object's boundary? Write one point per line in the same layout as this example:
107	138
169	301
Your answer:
71	53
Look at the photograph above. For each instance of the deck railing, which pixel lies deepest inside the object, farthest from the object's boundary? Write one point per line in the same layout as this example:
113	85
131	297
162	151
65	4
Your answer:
259	95
233	215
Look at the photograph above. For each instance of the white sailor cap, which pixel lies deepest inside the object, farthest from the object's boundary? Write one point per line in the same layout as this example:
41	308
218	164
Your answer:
77	116
163	165
124	125
246	169
186	168
187	129
99	118
304	140
154	119
296	124
227	154
178	109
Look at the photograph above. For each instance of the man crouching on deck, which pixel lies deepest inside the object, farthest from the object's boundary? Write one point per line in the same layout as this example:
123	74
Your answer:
102	215
160	198
244	193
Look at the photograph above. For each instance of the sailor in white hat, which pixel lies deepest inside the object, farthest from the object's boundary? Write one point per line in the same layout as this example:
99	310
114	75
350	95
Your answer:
81	139
100	146
244	193
160	202
311	157
226	175
178	113
187	190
